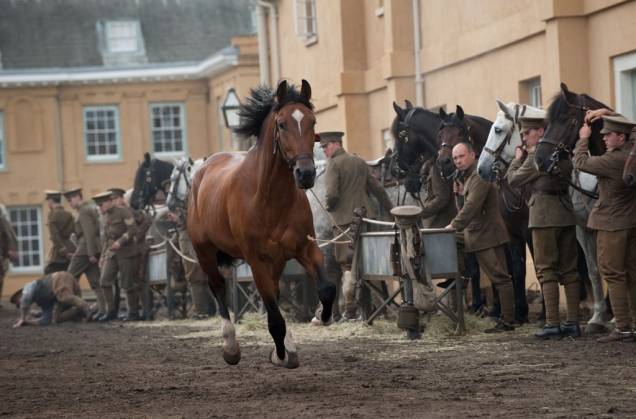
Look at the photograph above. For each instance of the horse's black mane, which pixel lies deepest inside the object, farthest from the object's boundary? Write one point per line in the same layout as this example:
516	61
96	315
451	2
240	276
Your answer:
560	105
262	101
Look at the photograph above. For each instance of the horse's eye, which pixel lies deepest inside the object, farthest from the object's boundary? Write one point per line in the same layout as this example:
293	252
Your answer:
281	125
497	130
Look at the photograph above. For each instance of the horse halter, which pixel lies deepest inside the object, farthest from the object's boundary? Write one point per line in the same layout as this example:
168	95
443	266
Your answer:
496	153
174	184
291	162
404	127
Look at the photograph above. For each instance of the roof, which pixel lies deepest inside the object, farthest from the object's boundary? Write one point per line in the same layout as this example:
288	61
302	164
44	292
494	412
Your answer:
64	34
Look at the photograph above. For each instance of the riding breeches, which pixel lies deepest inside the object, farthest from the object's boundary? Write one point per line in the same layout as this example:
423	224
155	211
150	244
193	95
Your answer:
82	265
617	266
127	269
556	254
492	262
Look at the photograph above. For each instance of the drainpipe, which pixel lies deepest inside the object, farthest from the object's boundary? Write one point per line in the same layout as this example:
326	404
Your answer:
59	143
273	35
419	82
263	59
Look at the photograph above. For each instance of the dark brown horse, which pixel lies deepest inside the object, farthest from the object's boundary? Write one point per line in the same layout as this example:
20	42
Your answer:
251	206
629	171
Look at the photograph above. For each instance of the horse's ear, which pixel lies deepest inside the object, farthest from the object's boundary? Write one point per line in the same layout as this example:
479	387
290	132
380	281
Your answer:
147	158
281	92
190	161
399	111
564	88
305	90
408	103
442	113
459	112
316	138
502	106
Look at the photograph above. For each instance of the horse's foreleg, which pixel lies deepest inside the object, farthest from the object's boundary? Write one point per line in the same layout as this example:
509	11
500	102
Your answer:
312	261
216	281
266	280
587	240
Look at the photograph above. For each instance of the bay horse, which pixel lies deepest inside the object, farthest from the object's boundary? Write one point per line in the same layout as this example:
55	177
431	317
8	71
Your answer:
150	175
566	114
629	171
458	127
252	206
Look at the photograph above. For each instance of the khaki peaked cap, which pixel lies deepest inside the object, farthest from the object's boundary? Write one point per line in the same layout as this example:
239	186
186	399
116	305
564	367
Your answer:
102	197
330	136
51	194
618	124
72	192
528	122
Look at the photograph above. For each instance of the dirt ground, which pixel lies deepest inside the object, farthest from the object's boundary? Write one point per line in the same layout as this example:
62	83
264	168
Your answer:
174	369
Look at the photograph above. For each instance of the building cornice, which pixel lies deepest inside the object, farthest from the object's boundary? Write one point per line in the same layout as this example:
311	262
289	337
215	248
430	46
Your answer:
213	65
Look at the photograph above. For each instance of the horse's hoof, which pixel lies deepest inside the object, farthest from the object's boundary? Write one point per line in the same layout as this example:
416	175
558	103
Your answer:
593	329
232	359
317	322
290	361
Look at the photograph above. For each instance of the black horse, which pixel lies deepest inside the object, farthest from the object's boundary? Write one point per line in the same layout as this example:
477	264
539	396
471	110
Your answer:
414	130
565	117
150	176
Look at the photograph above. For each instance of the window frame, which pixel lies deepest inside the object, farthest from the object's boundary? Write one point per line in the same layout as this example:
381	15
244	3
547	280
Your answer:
102	158
184	131
534	86
302	29
30	269
108	26
624	84
3	154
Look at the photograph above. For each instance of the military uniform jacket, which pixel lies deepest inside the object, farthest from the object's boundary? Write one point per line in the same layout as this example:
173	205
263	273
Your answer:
61	227
480	217
550	204
8	239
120	226
615	208
438	208
87	231
348	183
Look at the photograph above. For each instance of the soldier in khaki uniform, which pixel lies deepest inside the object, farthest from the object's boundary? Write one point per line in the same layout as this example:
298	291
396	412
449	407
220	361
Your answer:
61	226
58	295
348	184
438	208
614	218
119	256
8	246
553	228
143	221
484	231
86	257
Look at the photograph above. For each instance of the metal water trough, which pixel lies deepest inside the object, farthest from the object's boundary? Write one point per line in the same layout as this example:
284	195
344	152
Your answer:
440	247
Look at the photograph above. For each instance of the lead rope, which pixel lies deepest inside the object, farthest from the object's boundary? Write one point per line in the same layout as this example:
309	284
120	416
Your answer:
333	221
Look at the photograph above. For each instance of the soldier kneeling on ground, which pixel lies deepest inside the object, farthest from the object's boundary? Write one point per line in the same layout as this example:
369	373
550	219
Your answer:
57	294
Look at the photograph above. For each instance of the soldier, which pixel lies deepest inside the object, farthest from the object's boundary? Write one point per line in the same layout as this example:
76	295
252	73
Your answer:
202	299
143	221
348	184
86	257
484	231
438	207
59	296
119	256
8	246
61	226
553	228
614	218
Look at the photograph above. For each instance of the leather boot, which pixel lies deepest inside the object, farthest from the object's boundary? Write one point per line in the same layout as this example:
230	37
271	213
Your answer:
571	329
101	302
199	301
107	293
617	335
132	300
548	331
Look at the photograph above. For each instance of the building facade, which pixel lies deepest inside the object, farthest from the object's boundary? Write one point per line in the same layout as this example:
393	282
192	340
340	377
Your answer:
134	82
361	55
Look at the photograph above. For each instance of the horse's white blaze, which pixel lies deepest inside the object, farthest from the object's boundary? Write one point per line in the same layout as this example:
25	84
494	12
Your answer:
298	116
230	344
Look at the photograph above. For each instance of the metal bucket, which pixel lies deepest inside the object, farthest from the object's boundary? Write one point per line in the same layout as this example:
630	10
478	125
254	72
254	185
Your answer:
439	245
292	267
158	266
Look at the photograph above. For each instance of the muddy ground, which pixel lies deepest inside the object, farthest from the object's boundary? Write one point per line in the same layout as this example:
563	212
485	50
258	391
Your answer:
174	369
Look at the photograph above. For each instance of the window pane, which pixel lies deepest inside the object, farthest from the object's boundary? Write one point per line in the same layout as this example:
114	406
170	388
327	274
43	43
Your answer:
166	127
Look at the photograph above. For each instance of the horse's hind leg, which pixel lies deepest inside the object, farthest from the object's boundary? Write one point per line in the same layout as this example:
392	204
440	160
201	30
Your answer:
266	279
231	348
587	240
